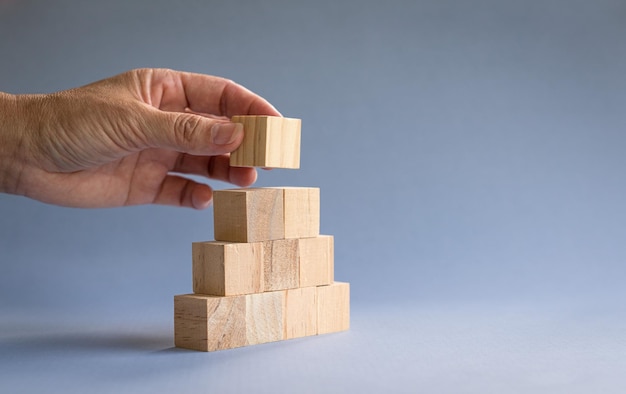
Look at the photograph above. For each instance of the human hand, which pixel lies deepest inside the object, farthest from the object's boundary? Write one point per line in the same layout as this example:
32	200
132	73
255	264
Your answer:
121	140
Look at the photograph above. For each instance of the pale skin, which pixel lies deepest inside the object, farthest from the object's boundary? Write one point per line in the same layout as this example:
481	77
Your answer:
125	140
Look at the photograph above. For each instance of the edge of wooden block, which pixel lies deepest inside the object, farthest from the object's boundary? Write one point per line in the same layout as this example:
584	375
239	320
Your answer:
300	312
333	307
317	267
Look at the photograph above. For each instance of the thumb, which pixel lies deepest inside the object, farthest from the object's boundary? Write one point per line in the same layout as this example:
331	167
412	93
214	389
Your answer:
193	134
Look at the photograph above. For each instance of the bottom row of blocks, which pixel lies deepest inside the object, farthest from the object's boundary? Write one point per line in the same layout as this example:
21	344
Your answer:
210	323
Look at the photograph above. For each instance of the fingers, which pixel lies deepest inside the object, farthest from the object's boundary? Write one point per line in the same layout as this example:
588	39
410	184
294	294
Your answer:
237	100
179	191
189	112
174	91
190	133
215	167
182	192
223	97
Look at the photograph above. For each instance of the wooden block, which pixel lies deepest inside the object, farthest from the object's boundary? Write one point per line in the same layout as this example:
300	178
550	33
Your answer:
233	268
248	215
269	141
281	264
265	317
317	261
300	312
261	214
210	323
333	308
226	268
301	211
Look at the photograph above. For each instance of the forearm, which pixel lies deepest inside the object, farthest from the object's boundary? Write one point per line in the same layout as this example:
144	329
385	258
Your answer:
12	132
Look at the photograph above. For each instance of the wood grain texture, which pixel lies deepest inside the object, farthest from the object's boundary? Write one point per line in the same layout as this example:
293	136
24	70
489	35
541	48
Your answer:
269	141
248	215
265	317
209	323
301	211
234	268
227	268
316	260
300	312
333	308
281	264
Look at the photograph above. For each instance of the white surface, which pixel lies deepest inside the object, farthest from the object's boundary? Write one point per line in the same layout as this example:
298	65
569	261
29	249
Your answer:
575	347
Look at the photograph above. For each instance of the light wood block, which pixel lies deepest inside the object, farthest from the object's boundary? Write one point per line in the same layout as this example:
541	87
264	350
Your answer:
333	308
281	265
300	312
226	268
269	141
265	317
210	323
301	211
234	268
248	215
261	214
316	260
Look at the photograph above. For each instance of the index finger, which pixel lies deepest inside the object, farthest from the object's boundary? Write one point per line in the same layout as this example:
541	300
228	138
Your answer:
211	95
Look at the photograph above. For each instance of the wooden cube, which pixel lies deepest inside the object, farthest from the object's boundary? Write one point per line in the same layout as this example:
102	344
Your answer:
248	215
265	316
333	308
316	260
226	268
281	264
262	214
301	211
233	268
300	312
210	323
269	141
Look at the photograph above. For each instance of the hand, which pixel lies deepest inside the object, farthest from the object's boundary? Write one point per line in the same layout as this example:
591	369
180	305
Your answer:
121	140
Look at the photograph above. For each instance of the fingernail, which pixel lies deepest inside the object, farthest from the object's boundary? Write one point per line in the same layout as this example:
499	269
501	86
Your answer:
225	133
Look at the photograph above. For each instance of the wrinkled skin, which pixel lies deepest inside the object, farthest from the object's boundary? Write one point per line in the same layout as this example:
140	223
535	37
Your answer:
121	141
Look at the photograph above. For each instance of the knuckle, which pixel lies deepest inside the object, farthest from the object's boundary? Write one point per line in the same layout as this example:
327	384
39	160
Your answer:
186	129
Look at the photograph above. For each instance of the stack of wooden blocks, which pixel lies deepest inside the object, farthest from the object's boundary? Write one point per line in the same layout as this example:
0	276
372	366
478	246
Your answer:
269	274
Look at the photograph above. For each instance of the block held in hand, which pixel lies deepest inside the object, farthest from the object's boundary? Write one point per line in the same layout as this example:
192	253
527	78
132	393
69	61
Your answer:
269	141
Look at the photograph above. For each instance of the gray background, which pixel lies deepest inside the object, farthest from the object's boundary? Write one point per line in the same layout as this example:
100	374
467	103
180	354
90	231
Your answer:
470	157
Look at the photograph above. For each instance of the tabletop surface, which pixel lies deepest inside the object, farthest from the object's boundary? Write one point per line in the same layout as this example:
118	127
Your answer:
448	348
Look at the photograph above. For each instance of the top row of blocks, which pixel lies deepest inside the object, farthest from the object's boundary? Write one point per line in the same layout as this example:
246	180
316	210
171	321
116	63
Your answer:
269	141
265	214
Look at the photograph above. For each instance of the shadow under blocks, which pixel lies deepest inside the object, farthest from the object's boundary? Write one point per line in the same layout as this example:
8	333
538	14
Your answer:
269	274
